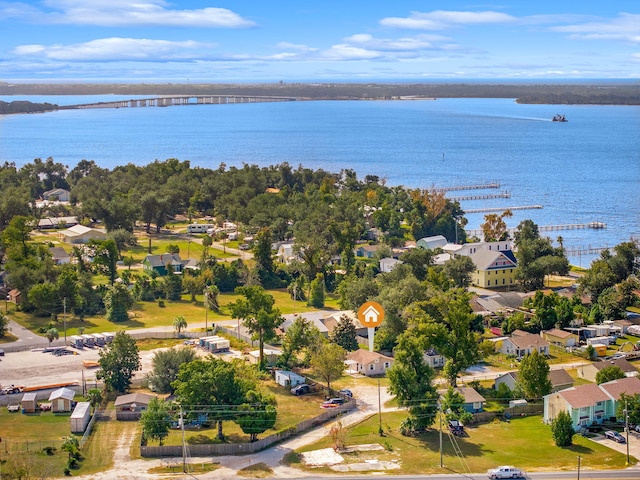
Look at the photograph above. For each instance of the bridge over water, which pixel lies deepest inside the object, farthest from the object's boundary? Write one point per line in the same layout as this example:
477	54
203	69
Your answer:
179	100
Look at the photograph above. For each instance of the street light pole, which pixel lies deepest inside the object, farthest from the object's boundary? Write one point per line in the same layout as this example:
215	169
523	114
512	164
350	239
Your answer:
64	318
626	425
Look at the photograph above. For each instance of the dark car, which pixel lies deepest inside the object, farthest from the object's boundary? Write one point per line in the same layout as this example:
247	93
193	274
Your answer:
1	352
615	436
301	389
346	392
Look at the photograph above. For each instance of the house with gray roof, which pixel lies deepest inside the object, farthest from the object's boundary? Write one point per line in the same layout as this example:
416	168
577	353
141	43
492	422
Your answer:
160	263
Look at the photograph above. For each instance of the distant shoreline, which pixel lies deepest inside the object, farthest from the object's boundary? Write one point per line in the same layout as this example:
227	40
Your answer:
543	93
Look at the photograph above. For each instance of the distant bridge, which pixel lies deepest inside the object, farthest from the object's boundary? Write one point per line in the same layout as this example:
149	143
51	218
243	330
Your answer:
176	100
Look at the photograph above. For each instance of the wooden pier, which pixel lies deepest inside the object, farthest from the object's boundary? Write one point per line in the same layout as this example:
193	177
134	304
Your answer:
503	209
578	251
548	228
177	100
480	186
480	197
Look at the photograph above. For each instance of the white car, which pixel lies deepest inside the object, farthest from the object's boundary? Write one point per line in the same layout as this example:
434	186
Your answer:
505	471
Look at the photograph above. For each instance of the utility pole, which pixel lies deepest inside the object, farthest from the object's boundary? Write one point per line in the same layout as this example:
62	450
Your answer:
440	415
206	311
626	425
64	319
380	431
578	467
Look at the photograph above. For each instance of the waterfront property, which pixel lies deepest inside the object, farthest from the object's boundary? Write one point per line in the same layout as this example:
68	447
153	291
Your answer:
493	268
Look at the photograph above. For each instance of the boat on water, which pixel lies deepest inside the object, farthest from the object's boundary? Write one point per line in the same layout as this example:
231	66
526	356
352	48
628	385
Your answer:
559	118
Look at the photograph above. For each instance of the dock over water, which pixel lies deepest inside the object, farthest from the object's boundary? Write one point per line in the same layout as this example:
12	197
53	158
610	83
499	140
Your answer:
549	228
179	100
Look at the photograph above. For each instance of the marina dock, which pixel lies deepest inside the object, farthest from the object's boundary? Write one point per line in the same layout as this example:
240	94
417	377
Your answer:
503	209
480	197
480	186
549	228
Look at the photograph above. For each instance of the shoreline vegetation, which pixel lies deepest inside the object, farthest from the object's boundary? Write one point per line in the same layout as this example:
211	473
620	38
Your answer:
559	94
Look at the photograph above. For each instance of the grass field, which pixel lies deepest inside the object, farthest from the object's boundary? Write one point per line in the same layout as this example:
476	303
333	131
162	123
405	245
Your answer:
522	442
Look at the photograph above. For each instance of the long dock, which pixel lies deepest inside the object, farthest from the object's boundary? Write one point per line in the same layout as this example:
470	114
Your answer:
577	251
503	209
480	186
480	197
176	100
549	228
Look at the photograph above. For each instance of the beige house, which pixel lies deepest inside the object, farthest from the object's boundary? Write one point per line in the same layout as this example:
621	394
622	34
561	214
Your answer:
131	406
560	380
368	363
522	343
81	234
556	336
590	370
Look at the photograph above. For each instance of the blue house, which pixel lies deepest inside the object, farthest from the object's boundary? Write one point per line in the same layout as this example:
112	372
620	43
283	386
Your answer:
473	401
159	263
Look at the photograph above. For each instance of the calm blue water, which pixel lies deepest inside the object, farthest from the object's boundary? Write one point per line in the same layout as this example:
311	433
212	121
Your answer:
582	171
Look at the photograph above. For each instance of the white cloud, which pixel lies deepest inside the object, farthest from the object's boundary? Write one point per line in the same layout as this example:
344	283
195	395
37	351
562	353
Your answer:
123	13
118	49
440	19
349	52
625	27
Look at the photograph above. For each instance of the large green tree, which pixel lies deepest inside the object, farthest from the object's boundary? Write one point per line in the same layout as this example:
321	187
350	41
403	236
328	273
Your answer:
344	334
214	386
411	381
258	315
257	415
155	421
533	376
328	363
609	373
119	361
166	365
562	429
117	302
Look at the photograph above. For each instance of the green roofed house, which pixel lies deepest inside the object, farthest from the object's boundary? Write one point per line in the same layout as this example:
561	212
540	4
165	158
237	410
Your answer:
159	263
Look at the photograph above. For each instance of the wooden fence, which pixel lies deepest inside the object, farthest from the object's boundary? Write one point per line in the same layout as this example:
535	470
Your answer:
244	448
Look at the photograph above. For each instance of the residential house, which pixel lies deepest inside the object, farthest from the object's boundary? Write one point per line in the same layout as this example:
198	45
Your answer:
59	255
57	222
56	195
560	380
330	321
522	343
131	406
366	251
368	363
468	249
433	358
589	371
388	264
589	404
285	253
473	401
160	263
313	317
559	337
62	400
81	234
431	243
493	268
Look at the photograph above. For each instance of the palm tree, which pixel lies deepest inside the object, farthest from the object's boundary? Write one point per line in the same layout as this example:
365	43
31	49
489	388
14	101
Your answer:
561	242
179	323
52	334
95	397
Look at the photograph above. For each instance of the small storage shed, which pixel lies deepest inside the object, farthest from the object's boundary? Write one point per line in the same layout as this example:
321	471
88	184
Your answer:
80	417
28	404
289	379
62	399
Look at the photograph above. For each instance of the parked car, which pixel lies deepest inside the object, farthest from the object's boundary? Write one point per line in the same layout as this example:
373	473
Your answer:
332	402
244	246
615	436
456	427
346	392
301	389
505	471
1	352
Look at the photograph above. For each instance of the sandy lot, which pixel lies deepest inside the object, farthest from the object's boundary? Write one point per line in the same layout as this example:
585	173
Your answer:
33	368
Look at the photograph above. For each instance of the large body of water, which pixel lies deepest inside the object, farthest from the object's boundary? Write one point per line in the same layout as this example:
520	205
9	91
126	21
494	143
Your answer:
585	170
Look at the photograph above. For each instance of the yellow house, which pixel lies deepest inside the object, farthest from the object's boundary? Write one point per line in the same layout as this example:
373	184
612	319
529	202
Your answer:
556	336
494	269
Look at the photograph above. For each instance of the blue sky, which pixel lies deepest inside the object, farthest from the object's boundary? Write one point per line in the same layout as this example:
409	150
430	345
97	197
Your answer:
305	40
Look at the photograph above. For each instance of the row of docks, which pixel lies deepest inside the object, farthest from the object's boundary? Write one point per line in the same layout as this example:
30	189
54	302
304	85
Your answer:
480	197
502	209
480	186
91	340
214	344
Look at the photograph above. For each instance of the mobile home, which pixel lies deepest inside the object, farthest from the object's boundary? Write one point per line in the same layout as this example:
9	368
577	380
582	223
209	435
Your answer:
198	228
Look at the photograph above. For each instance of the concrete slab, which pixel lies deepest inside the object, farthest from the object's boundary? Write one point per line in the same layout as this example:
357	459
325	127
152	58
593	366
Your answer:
323	457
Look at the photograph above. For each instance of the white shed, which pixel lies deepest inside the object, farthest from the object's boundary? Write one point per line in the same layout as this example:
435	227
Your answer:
289	379
80	417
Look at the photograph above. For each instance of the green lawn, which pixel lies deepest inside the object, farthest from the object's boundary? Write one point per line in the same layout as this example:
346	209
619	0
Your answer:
524	442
